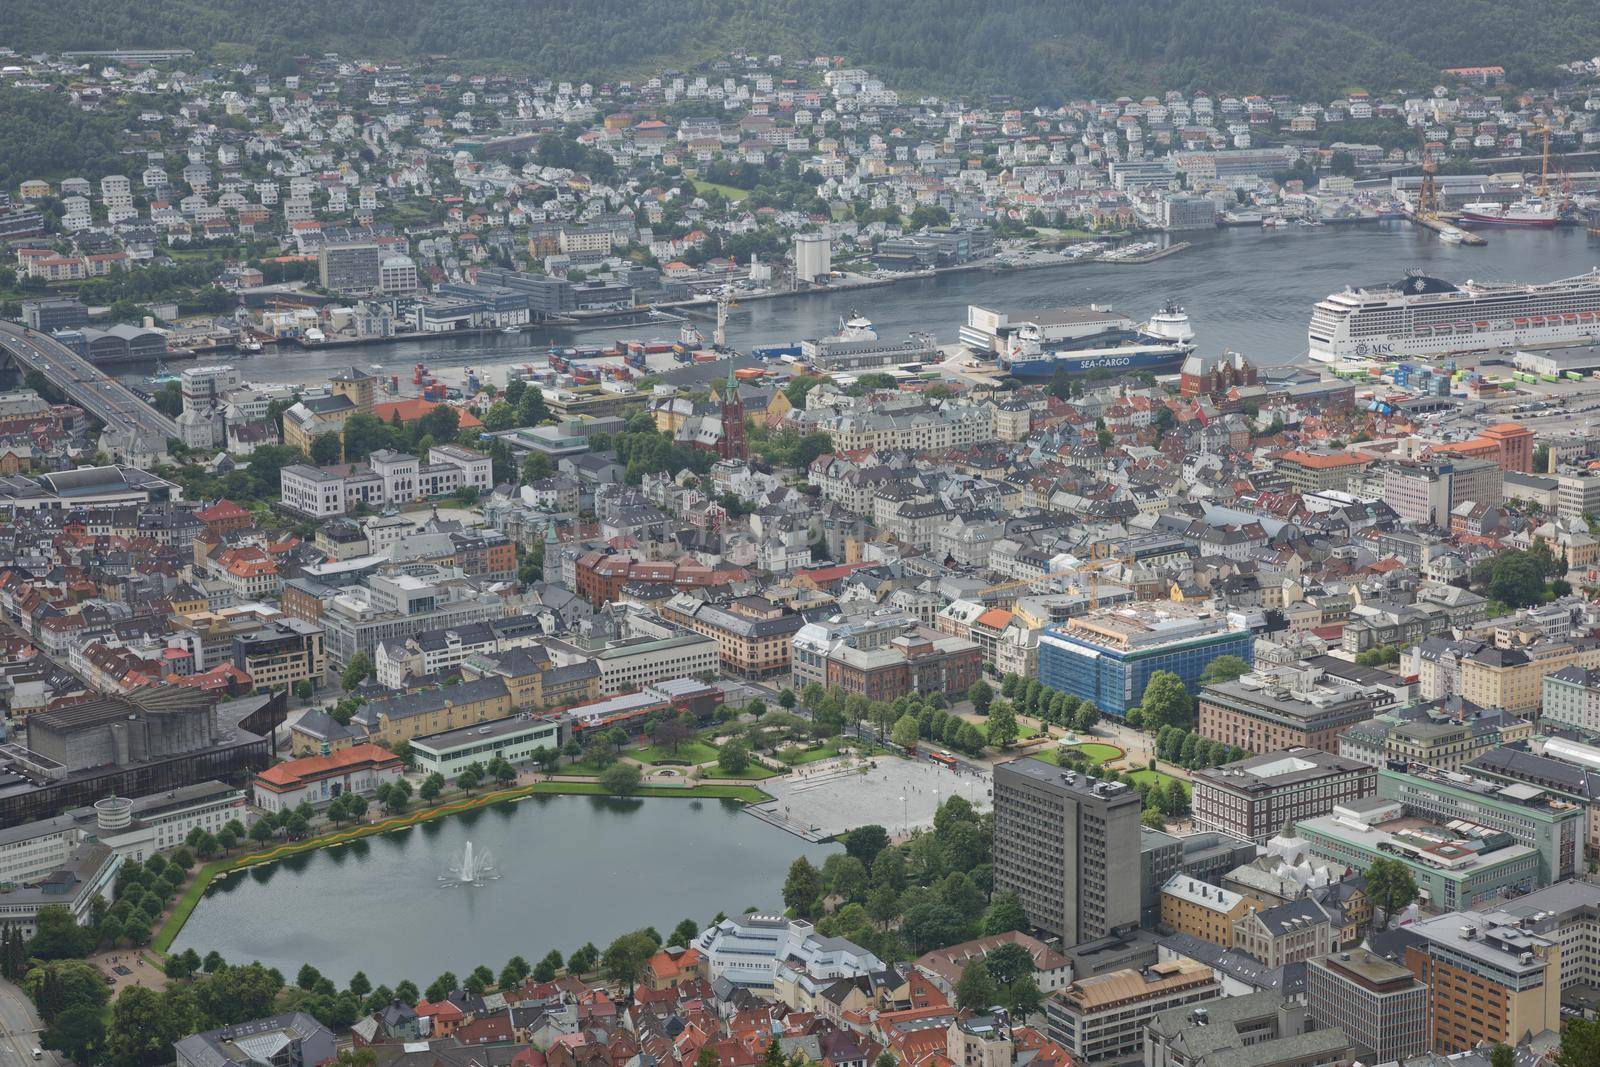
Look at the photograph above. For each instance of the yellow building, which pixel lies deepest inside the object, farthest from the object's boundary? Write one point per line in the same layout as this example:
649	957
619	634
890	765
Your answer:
1200	909
1513	678
400	718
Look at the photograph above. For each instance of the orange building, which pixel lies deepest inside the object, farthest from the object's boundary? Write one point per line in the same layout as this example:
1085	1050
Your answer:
1507	443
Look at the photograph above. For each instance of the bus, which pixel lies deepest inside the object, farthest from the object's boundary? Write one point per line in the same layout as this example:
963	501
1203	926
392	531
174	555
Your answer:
942	757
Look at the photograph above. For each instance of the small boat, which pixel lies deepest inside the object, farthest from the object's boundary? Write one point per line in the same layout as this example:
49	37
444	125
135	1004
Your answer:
162	375
512	329
249	345
1451	237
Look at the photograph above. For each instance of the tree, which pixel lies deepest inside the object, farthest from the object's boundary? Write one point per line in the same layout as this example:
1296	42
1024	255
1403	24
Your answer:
865	842
78	1031
357	670
734	758
976	990
802	889
326	449
57	935
583	961
1580	1044
1004	914
431	787
1502	1055
1008	962
980	694
1391	886
536	467
621	778
1086	718
470	778
625	958
1223	669
261	831
786	700
516	971
845	876
1153	818
1002	727
1166	701
684	933
303	690
1024	997
905	732
441	988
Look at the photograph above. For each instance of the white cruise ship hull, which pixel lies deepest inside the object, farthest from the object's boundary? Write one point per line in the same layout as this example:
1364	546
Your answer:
1406	322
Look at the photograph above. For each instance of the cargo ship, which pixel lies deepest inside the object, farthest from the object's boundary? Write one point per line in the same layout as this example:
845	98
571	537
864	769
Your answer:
1527	212
1420	315
1034	346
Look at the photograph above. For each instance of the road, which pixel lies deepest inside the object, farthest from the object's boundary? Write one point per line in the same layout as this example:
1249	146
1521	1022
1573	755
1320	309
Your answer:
87	385
20	1026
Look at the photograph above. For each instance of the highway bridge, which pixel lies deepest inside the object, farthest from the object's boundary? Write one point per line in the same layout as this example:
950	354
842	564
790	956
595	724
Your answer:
135	431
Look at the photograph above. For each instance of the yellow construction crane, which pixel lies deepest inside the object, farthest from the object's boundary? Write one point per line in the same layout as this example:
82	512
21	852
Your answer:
1428	191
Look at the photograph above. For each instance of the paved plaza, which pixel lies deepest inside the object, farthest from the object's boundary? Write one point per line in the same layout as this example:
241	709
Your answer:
826	799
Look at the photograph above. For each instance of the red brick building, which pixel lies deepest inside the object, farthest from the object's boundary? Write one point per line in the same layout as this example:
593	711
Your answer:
1211	375
924	661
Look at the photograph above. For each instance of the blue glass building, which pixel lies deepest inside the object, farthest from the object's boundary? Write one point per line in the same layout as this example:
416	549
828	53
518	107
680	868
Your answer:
1107	657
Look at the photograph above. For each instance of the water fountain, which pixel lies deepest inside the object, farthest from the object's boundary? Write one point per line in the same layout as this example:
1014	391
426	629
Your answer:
470	868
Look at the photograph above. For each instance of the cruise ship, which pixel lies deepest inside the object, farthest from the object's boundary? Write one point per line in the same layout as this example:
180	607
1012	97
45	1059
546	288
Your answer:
1033	346
1420	316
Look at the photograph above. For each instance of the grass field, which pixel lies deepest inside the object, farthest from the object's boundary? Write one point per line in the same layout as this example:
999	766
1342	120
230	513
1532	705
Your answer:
1156	777
690	752
728	192
1096	752
826	750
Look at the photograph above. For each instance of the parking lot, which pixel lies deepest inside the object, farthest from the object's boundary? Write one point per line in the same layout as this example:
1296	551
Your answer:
828	798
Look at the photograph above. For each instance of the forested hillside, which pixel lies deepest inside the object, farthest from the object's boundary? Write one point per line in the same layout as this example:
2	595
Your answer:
1038	49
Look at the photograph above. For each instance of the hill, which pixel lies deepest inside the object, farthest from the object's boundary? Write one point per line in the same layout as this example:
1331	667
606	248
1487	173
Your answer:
1038	50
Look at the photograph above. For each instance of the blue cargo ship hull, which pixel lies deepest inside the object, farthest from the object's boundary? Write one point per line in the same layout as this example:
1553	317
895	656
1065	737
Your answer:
1152	360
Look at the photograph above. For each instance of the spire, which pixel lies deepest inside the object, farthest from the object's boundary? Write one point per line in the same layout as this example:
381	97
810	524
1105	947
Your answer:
731	382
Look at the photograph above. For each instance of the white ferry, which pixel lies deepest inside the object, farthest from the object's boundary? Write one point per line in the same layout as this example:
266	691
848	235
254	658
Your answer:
1420	316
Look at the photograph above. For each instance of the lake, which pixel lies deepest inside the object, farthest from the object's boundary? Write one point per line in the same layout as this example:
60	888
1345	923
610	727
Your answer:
571	869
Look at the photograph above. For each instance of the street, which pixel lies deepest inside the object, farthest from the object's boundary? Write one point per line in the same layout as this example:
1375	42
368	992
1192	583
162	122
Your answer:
21	1029
85	384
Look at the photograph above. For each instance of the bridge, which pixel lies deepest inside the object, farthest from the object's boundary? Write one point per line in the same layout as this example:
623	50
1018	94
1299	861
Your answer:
135	431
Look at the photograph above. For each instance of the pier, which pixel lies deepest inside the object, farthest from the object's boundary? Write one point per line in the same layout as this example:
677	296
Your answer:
1442	226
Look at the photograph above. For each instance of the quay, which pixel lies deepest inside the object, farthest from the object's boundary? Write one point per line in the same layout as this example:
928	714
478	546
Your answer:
1442	226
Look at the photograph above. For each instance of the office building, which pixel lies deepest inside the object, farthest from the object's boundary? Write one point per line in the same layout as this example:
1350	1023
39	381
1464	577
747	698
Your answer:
1566	914
1457	866
57	313
1107	656
1553	827
1288	933
1255	1030
1488	979
514	740
1207	856
1572	699
351	266
1068	846
1379	1005
1252	798
1260	713
1105	1017
1180	212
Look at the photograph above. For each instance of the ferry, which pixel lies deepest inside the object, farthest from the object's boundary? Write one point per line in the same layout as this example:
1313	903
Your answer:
1086	340
162	375
857	347
1418	315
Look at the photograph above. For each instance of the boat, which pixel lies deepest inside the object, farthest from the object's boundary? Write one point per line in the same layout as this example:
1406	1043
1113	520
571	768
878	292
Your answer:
855	328
162	375
1096	339
1452	237
513	329
248	345
1529	211
1415	316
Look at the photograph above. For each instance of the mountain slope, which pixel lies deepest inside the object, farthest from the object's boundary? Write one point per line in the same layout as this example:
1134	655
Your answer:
1037	49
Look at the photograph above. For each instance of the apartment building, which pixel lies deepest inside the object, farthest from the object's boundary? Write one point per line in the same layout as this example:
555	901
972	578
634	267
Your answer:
1195	907
1255	1030
1068	846
754	636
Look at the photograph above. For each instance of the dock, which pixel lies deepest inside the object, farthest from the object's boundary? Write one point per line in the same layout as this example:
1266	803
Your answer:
1441	226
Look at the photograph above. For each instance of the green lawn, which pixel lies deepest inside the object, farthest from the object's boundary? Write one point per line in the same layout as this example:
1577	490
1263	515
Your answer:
728	192
690	752
1097	752
826	750
1156	777
747	793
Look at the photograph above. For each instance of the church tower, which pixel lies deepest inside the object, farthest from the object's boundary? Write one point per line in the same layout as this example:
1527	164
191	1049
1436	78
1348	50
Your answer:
732	445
